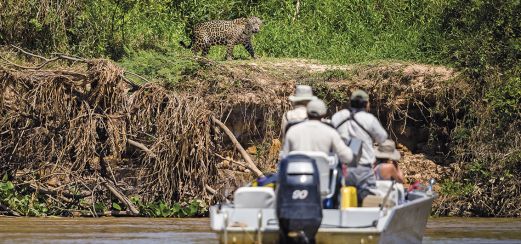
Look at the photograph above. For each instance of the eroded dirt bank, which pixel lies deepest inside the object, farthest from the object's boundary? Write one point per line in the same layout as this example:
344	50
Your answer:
75	136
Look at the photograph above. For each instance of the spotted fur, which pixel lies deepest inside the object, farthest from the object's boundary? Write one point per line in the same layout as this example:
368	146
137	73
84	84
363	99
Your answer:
224	32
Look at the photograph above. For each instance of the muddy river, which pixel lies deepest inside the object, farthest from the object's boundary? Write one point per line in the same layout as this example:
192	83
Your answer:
148	230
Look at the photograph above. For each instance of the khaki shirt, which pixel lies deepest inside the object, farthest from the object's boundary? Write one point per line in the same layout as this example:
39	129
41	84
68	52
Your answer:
350	129
313	135
298	114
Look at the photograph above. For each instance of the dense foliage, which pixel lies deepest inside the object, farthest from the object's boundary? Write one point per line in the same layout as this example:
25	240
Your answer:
483	38
480	37
341	31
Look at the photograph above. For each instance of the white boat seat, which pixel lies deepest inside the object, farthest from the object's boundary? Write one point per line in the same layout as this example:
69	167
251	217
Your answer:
327	169
254	197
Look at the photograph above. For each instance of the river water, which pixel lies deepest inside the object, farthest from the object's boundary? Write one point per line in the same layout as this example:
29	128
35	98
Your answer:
149	230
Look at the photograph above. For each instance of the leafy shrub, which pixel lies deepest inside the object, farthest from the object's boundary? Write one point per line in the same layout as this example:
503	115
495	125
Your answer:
163	66
22	203
180	209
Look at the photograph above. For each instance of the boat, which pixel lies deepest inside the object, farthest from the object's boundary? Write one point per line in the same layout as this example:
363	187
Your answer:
392	215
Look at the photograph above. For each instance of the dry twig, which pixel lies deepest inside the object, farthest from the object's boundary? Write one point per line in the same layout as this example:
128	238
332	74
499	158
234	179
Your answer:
120	196
249	162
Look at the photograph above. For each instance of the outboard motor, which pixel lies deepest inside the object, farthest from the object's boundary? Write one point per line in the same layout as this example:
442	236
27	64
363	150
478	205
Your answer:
299	208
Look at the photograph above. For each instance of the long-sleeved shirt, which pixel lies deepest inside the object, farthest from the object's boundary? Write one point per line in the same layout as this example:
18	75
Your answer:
298	114
350	129
313	135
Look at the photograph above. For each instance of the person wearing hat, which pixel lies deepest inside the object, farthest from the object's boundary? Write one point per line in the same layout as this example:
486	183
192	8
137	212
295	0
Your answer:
356	122
303	94
387	158
315	135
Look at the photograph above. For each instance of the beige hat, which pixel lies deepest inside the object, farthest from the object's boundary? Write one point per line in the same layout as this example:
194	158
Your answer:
360	95
316	108
387	150
302	93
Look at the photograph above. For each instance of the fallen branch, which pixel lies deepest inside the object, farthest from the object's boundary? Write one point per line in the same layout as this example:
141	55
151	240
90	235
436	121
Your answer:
28	53
142	147
120	196
249	162
46	60
44	190
134	86
9	211
136	75
210	189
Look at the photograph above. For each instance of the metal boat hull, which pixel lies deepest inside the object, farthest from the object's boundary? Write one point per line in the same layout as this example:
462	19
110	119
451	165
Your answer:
321	237
401	224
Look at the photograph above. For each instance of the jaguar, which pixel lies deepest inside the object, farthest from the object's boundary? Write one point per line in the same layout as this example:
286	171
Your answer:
224	32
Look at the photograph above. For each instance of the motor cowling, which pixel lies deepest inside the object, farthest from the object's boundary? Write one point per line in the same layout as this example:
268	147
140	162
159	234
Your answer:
299	208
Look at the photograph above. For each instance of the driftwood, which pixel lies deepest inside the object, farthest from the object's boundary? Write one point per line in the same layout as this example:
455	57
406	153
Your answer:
142	147
8	210
249	162
53	192
210	189
120	196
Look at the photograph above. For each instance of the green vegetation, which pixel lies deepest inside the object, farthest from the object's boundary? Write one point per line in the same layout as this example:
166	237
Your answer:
30	203
162	209
455	188
337	31
23	202
161	66
482	38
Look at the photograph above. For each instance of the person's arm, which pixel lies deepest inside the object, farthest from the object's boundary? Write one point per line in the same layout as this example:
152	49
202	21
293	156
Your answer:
341	149
283	125
377	131
285	147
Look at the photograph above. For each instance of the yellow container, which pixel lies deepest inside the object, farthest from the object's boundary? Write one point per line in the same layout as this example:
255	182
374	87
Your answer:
348	197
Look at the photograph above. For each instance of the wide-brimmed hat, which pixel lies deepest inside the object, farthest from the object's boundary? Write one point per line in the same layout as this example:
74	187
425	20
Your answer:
302	93
316	108
387	150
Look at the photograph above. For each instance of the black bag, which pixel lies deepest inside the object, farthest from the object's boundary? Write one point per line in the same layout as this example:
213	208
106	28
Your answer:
355	145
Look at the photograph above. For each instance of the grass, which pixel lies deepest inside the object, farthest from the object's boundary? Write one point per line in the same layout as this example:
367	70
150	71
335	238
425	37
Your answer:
168	66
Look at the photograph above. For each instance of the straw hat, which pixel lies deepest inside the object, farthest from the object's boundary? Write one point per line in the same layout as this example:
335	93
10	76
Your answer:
302	93
387	150
316	108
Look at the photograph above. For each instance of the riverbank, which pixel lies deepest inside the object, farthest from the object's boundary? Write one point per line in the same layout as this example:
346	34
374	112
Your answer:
91	137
